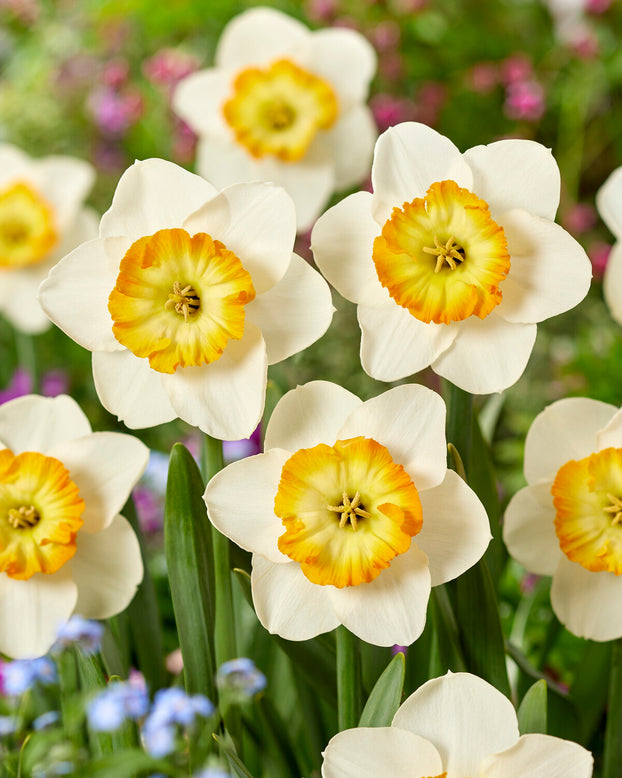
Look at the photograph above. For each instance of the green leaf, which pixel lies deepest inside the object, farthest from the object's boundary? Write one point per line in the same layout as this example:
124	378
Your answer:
590	687
386	695
613	732
276	738
188	548
348	679
448	652
128	763
234	760
532	712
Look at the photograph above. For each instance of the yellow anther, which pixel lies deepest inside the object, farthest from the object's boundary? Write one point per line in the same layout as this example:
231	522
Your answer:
184	301
449	252
350	511
23	517
615	508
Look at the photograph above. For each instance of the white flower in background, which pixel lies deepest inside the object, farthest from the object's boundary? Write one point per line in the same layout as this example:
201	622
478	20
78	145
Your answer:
186	297
568	521
64	548
351	513
283	104
609	204
454	257
451	727
42	218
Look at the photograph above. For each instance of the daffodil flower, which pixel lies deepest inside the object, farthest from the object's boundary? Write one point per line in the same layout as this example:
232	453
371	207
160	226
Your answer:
42	218
453	259
452	727
351	513
64	548
567	522
186	297
609	204
283	104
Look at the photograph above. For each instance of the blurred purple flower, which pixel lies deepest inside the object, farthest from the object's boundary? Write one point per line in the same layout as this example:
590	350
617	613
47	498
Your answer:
115	73
120	701
524	101
239	449
518	67
54	382
19	385
389	110
599	256
168	66
114	112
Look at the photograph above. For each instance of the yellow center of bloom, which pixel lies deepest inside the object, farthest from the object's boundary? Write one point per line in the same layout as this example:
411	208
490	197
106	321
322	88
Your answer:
40	514
348	510
179	299
279	109
587	495
442	256
27	231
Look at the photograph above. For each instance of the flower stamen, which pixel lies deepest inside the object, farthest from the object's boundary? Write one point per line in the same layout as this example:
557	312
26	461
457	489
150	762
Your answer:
615	508
350	511
23	517
184	301
450	253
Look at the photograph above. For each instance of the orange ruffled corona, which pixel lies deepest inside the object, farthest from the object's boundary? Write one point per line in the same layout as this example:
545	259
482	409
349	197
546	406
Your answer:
40	514
348	510
442	256
587	495
179	299
278	110
27	229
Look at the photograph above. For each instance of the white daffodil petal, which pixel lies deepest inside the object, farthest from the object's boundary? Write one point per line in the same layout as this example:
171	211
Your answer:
152	195
107	568
65	183
346	60
394	344
353	139
255	221
608	199
342	243
455	530
287	603
514	173
368	753
587	603
51	420
539	756
565	430
14	164
130	389
488	355
250	522
259	35
18	299
463	716
105	466
611	434
32	611
408	159
308	415
392	608
529	529
199	99
409	421
75	294
294	313
549	274
225	399
612	283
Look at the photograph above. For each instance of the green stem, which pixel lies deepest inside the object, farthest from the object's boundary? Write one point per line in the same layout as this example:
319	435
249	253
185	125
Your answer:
459	421
613	731
26	356
348	679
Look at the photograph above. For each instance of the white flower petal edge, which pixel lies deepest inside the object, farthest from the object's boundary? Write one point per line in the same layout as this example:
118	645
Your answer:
391	609
587	603
463	716
254	527
32	611
51	421
540	756
287	603
612	283
564	430
107	569
529	531
608	199
386	751
455	531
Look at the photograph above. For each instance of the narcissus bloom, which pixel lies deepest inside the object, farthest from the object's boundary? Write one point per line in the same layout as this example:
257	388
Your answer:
451	727
351	513
64	548
568	521
186	297
283	104
454	257
609	204
42	218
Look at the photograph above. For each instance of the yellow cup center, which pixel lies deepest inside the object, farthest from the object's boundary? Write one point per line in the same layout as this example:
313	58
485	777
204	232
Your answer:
27	227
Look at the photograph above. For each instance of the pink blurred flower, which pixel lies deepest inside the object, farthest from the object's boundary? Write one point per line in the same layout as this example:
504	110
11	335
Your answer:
148	509
430	100
27	11
386	35
184	143
518	67
115	73
389	110
524	101
597	6
174	662
115	112
579	218
391	65
168	66
321	10
598	253
483	77
584	43
19	385
54	382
